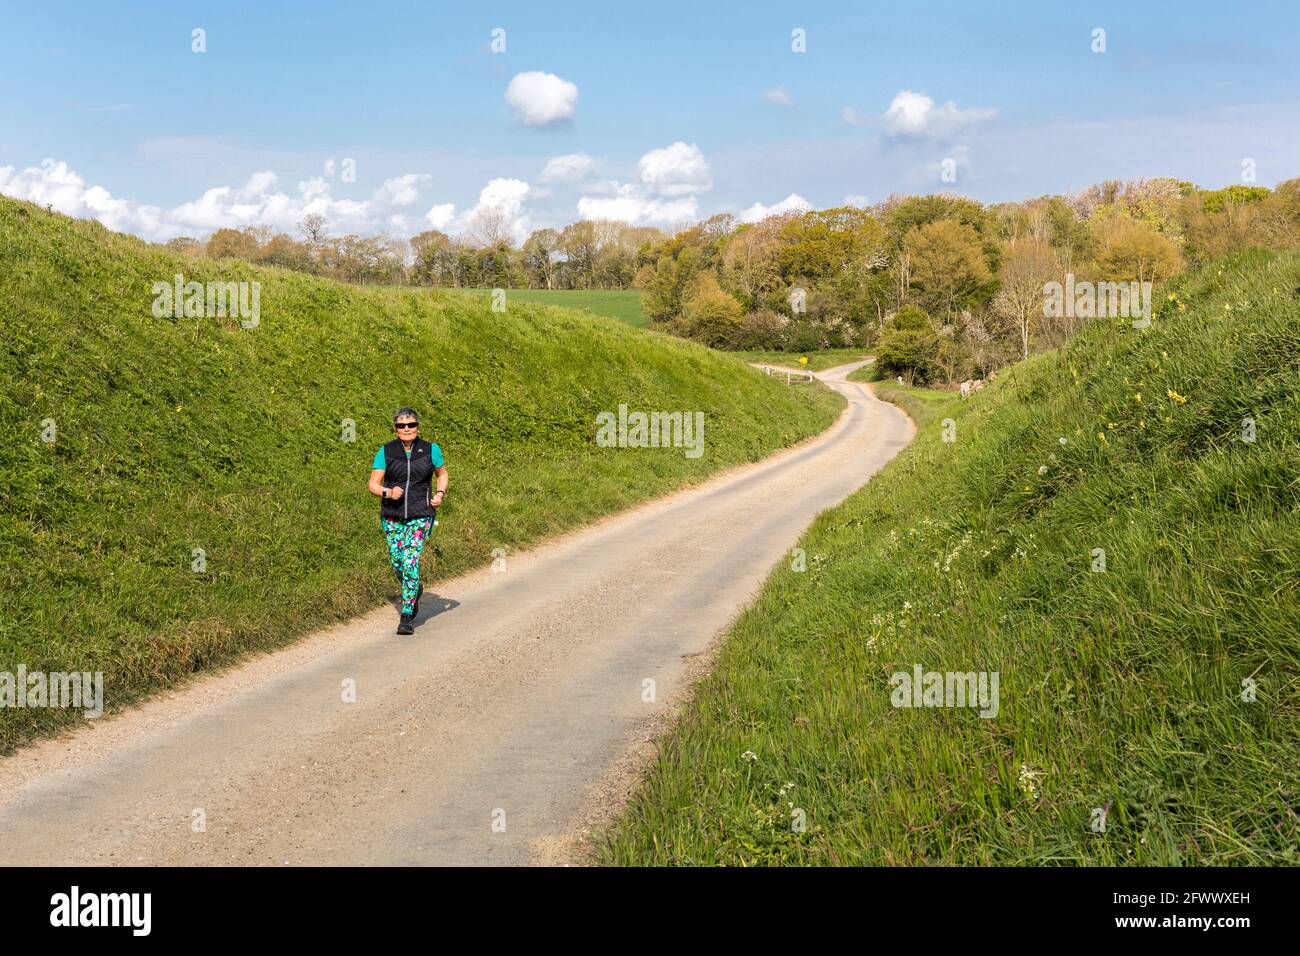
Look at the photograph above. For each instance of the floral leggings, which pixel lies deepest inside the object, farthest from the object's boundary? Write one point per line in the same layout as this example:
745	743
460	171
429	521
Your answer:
405	544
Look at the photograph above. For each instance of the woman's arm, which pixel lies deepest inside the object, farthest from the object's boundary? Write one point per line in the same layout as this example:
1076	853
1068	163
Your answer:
377	482
443	482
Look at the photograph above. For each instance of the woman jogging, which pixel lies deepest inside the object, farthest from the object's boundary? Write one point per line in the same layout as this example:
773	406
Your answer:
402	476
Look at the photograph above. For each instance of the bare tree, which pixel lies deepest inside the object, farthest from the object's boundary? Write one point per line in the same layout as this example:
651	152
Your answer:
490	227
1027	266
313	230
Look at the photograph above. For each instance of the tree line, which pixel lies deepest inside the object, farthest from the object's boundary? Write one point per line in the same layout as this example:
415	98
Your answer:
943	287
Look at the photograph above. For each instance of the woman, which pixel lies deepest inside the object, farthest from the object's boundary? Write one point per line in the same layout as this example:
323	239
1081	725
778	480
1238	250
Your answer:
402	474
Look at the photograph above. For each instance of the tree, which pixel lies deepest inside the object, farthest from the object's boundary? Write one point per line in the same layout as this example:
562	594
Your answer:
232	244
709	314
185	245
1028	264
539	258
903	214
313	230
1132	251
433	258
663	290
578	243
490	227
749	259
824	243
280	250
947	265
908	347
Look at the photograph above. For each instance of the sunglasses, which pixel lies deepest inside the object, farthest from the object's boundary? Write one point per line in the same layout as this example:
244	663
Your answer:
399	426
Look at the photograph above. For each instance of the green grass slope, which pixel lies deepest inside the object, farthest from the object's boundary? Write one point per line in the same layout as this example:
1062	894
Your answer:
194	433
621	304
1125	694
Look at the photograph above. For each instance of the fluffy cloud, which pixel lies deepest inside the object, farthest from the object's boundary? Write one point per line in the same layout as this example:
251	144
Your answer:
568	168
261	202
499	213
669	177
915	114
791	203
631	205
778	97
676	170
54	184
403	190
541	99
442	215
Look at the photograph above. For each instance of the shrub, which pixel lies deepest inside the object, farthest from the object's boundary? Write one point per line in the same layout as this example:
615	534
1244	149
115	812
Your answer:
709	314
805	337
761	330
909	347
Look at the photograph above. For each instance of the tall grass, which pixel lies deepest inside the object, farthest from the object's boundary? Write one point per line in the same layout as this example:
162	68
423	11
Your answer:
182	434
1159	696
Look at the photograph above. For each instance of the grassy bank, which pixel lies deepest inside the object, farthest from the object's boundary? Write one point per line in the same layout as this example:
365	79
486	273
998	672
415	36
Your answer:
621	304
1147	707
177	439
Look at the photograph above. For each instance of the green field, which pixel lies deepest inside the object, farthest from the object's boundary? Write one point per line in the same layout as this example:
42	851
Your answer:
1112	529
621	304
175	439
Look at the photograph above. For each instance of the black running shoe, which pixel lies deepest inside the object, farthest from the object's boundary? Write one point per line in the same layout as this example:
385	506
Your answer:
404	625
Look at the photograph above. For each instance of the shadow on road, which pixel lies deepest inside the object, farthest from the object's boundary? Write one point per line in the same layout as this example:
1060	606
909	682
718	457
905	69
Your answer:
431	605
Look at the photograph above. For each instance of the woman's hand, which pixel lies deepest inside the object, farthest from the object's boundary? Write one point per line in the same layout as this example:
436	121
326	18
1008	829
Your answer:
395	492
437	498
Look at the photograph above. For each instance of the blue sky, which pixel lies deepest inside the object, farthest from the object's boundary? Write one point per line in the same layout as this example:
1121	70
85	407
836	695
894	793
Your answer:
141	129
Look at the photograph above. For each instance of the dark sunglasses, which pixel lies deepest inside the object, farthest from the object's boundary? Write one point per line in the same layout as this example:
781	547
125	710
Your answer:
398	426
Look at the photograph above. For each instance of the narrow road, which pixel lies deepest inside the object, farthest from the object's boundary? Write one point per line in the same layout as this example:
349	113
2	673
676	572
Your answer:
515	716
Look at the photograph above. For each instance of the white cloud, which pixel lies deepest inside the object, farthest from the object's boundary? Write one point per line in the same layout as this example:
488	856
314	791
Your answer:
633	206
541	99
402	190
568	168
778	97
676	170
506	194
441	215
55	184
499	213
857	199
670	178
791	203
915	114
259	202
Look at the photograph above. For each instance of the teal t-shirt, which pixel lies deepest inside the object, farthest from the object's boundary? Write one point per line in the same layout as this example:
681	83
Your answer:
434	452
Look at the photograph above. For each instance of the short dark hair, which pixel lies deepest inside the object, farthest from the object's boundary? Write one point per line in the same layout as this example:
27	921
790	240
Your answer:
406	410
